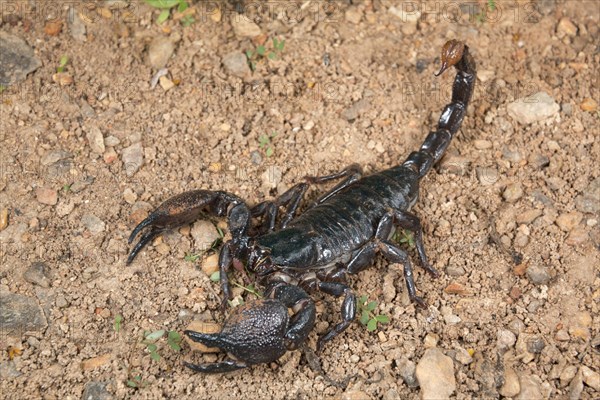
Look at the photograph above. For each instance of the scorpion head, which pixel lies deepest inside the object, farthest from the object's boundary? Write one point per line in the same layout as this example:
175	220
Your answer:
452	53
259	261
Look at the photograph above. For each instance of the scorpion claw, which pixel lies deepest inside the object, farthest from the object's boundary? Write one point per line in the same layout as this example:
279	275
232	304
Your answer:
260	331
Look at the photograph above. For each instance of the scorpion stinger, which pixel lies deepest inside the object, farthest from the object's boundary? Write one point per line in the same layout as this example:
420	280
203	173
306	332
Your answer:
339	235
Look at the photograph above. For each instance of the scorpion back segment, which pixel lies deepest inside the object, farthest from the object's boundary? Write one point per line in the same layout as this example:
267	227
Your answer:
337	236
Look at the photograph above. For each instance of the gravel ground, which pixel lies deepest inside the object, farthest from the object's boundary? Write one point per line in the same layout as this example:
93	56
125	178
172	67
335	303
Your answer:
120	113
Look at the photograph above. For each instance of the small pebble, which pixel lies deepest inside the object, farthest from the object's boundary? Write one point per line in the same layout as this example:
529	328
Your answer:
591	378
406	369
562	335
133	158
513	192
53	27
255	157
589	104
204	234
130	196
210	264
353	15
527	217
539	161
92	223
163	248
535	345
511	386
538	275
487	175
3	219
530	388
455	270
568	221
160	50
95	362
463	356
61	301
309	125
351	394
537	107
110	156
566	27
435	373
166	83
236	64
244	27
37	274
505	339
46	196
567	375
62	78
481	144
354	358
512	155
577	236
431	340
576	386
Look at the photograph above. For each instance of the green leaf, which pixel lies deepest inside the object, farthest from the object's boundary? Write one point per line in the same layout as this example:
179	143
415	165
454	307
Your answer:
260	50
364	318
371	305
118	320
269	151
215	276
191	257
272	56
155	356
183	5
187	20
280	45
173	340
151	347
384	319
162	4
132	384
249	53
163	16
372	325
362	300
155	335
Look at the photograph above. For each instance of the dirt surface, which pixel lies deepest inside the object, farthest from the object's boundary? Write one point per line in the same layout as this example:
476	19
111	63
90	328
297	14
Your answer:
510	216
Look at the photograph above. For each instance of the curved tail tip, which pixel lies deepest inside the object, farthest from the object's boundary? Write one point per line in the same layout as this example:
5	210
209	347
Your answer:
452	53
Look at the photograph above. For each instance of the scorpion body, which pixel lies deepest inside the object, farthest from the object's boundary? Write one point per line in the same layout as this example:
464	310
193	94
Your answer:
314	251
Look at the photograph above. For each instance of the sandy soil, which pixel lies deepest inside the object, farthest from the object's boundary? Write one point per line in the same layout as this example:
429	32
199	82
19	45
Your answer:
353	86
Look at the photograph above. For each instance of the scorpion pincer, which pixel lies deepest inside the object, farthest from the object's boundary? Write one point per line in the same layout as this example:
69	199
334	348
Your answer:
338	235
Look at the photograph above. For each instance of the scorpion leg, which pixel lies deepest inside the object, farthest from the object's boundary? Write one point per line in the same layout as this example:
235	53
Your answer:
348	309
397	255
412	223
352	173
291	199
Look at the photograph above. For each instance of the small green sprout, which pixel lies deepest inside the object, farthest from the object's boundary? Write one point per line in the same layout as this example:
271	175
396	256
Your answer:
192	257
2	88
404	237
136	382
64	60
166	5
260	52
367	317
66	188
118	321
266	142
151	338
482	15
215	276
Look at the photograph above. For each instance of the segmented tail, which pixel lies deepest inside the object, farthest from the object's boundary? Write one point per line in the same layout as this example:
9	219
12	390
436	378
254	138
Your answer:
454	53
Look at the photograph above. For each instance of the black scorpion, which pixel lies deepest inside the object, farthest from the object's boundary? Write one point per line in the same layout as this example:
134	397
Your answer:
339	235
